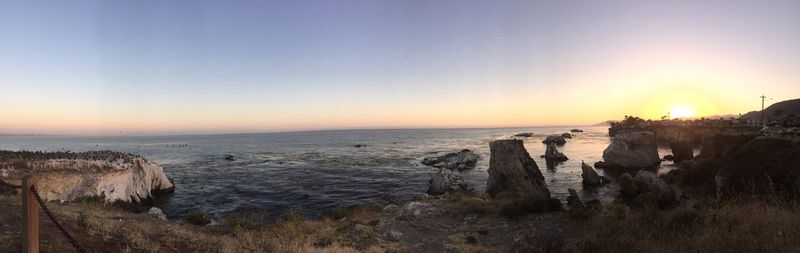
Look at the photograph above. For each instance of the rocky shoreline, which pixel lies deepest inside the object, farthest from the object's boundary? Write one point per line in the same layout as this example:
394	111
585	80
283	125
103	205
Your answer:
67	176
516	213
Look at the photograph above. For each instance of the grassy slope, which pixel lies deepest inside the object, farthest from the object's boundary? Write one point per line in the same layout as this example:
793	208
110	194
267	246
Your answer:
748	225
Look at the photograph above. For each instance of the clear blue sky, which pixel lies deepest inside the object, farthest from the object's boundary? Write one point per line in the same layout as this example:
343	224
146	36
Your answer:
244	66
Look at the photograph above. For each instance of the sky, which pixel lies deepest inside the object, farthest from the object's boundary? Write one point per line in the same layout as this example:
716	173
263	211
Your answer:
182	67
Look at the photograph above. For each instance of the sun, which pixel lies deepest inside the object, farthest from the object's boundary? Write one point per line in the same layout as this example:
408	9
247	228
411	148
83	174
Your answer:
681	111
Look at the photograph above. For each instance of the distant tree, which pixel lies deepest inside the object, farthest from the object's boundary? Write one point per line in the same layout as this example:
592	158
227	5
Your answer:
632	120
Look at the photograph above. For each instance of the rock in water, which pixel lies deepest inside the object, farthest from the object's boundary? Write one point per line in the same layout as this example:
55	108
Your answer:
552	154
632	150
114	176
557	139
465	159
525	135
590	176
445	181
574	201
567	135
681	151
575	130
513	173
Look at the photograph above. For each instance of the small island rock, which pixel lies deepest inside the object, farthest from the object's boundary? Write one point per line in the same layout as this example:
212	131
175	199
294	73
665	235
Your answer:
557	139
632	150
463	160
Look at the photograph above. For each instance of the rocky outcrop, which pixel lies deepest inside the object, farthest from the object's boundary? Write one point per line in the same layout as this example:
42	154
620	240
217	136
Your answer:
681	151
557	139
647	189
632	150
524	135
764	165
590	176
445	181
463	160
566	135
575	130
513	173
69	176
552	154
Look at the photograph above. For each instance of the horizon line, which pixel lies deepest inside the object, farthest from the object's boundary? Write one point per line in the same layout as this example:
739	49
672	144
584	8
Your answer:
282	131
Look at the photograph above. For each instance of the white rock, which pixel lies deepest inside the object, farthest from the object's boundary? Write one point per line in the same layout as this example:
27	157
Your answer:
156	213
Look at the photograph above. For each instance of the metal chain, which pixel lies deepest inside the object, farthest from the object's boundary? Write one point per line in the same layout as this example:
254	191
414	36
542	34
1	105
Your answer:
58	225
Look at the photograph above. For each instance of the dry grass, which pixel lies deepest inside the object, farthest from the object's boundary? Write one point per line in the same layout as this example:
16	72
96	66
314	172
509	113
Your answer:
481	203
732	226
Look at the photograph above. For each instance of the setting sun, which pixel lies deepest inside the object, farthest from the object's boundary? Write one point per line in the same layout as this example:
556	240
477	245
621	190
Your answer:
678	103
681	111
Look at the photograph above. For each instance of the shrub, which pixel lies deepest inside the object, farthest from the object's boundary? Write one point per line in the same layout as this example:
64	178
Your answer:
521	207
83	216
198	218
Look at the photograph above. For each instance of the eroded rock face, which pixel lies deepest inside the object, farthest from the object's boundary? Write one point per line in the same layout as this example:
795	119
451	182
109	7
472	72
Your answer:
463	160
513	173
632	150
445	181
552	154
681	151
113	176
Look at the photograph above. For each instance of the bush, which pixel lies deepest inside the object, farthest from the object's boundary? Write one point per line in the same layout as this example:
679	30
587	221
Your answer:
198	218
521	207
83	216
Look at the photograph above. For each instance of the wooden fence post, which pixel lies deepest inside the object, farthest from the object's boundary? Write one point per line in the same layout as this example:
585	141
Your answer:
30	216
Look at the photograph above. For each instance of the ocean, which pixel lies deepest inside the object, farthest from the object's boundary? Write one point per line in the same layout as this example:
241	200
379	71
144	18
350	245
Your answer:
313	172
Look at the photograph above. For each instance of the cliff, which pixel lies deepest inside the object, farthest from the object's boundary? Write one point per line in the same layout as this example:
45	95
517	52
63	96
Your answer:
68	176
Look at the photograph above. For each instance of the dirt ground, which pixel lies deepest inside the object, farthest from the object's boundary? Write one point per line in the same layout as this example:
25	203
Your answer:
420	226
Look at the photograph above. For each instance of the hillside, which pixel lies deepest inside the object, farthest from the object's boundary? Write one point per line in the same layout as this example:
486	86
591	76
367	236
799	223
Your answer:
780	110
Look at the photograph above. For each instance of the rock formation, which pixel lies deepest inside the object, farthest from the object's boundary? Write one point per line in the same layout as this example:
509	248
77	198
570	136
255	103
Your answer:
525	135
557	139
445	181
575	130
552	154
632	150
681	151
69	176
513	173
647	189
590	176
566	135
465	159
764	165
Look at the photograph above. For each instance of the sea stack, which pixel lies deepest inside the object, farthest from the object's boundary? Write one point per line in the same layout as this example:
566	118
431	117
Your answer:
632	151
513	173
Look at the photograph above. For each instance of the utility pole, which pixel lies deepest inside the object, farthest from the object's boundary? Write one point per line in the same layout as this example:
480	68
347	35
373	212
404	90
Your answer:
763	121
